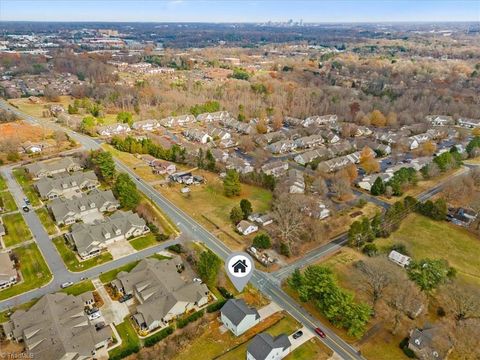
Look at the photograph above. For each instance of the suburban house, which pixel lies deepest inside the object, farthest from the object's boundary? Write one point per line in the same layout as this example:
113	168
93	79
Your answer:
113	129
240	127
399	258
261	219
181	120
275	168
272	137
146	125
319	120
8	273
240	165
52	167
90	239
163	291
66	212
67	185
367	182
238	317
215	116
197	135
266	347
423	343
218	133
312	155
440	120
57	328
339	162
163	167
246	228
295	182
29	147
309	141
281	147
220	155
469	123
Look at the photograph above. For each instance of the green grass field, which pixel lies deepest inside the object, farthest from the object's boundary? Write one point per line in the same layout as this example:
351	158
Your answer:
3	184
129	338
27	187
8	202
70	259
110	275
46	221
144	242
426	238
16	229
34	269
79	288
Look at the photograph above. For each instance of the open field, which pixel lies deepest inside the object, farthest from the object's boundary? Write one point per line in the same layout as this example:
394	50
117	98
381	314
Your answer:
26	185
34	269
424	238
25	105
71	261
46	221
143	242
79	288
129	338
7	202
16	229
21	131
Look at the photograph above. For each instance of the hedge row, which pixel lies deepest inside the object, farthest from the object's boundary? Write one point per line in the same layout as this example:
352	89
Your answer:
152	340
126	352
216	306
195	316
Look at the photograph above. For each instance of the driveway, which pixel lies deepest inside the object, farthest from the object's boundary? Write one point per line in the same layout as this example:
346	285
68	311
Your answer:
307	335
120	248
268	310
91	217
112	311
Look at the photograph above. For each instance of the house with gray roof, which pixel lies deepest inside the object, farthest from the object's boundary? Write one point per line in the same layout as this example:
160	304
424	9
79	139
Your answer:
215	116
266	347
295	182
424	343
57	328
309	141
307	157
8	272
146	125
66	212
113	129
275	168
52	167
90	239
238	317
66	184
282	146
164	293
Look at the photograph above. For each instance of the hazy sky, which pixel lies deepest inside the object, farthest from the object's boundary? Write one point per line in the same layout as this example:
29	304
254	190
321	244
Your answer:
240	11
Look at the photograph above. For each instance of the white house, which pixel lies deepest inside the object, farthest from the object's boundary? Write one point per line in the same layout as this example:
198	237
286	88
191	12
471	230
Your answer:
399	258
238	317
246	228
265	347
114	129
440	120
469	123
146	125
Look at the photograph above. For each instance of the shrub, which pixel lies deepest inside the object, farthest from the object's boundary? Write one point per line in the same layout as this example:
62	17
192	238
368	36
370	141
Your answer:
126	352
262	241
181	323
152	340
284	249
216	306
401	248
161	237
225	293
177	248
370	249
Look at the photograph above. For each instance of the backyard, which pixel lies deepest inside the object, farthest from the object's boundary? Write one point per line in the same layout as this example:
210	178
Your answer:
144	242
7	203
26	184
34	269
46	221
72	262
129	337
16	229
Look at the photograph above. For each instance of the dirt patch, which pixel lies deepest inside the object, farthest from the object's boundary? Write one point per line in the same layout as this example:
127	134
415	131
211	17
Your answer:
21	131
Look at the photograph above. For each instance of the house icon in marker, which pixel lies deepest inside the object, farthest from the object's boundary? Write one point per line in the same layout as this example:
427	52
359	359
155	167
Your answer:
240	266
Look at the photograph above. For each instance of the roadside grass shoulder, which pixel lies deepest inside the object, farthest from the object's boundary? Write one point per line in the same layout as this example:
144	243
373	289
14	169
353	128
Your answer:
79	288
22	178
16	229
46	221
7	202
112	274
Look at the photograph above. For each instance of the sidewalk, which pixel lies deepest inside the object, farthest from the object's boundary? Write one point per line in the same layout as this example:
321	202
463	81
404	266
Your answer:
114	312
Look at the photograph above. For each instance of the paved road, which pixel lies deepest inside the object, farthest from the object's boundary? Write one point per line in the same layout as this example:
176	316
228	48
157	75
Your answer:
192	230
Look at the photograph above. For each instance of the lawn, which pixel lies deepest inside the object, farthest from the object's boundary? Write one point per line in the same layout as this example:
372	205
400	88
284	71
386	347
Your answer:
112	274
129	338
71	261
26	185
16	229
25	306
46	221
3	184
34	269
426	238
144	242
311	350
36	110
8	202
79	288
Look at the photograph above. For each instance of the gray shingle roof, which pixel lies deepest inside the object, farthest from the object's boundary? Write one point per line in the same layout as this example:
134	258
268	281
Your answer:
236	310
264	343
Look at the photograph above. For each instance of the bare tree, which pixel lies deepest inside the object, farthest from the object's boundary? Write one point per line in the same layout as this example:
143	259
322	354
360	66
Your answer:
462	301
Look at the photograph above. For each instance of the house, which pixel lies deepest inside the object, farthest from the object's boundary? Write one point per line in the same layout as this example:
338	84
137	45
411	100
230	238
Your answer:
163	167
312	155
261	219
309	141
469	123
238	317
424	344
273	136
275	168
319	120
266	347
146	125
215	116
197	135
51	167
162	291
57	328
90	239
8	272
281	147
240	165
148	159
220	155
33	148
218	134
181	120
440	120
295	182
331	137
399	258
322	212
367	181
339	162
66	184
66	212
246	228
113	129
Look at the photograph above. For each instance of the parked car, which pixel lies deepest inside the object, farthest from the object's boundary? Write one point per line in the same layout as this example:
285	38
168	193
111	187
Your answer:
26	208
320	333
125	298
27	202
99	325
197	280
297	334
95	315
66	284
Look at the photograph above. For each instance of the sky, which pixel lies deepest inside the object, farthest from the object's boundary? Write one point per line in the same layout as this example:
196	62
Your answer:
240	11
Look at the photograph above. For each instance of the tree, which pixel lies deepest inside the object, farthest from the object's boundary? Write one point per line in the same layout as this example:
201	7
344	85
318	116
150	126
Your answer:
262	241
240	74
105	165
428	274
231	183
462	301
378	187
377	118
126	191
236	215
210	161
296	280
87	125
428	148
360	232
246	207
125	117
208	267
289	221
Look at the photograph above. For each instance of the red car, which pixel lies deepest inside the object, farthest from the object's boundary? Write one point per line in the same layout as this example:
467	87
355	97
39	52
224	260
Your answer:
320	333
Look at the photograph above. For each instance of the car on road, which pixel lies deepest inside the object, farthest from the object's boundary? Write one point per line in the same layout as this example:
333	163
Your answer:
66	284
297	334
26	208
26	201
320	333
125	298
197	280
95	315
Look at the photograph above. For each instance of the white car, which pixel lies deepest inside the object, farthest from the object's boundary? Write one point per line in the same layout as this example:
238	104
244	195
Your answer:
66	284
95	315
197	280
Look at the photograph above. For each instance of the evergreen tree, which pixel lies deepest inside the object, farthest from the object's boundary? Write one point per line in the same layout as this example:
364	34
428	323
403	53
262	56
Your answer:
378	187
231	183
126	191
236	215
105	164
246	207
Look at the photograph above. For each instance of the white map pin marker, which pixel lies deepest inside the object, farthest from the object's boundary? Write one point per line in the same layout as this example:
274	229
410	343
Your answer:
239	267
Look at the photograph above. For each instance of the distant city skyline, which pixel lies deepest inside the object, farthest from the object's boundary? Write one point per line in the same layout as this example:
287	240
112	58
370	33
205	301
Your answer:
313	11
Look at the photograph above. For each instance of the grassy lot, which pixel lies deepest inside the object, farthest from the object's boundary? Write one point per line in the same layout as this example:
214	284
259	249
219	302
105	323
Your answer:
34	269
3	184
144	242
46	221
26	185
112	274
16	229
36	110
71	261
8	202
129	338
424	238
25	306
79	288
311	350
